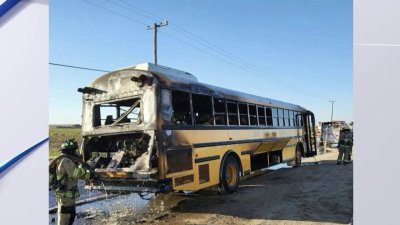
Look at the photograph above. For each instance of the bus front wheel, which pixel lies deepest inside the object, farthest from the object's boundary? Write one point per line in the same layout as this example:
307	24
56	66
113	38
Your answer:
230	176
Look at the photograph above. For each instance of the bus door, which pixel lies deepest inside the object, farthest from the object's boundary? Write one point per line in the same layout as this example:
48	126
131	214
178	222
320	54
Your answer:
309	134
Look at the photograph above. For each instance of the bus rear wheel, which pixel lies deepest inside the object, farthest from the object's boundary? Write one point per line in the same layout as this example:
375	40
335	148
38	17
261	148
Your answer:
230	176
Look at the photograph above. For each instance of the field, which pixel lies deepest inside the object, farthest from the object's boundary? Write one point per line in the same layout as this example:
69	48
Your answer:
58	135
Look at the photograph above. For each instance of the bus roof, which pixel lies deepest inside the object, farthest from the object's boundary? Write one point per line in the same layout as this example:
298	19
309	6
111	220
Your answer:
181	80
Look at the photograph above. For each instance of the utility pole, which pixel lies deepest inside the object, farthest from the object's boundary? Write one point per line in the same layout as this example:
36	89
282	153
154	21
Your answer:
331	101
154	27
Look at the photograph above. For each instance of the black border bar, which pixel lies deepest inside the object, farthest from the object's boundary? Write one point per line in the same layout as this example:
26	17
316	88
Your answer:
205	159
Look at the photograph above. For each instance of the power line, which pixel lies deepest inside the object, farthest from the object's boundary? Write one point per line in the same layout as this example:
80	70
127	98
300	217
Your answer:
217	49
78	67
112	12
233	60
172	37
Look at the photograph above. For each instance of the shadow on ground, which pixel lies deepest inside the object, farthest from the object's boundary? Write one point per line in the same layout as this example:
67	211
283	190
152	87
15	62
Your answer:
313	193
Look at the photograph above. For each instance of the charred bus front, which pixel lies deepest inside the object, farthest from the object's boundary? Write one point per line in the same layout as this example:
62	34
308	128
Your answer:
119	123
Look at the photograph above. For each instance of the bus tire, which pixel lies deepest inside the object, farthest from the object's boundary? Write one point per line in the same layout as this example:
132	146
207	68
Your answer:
297	158
230	176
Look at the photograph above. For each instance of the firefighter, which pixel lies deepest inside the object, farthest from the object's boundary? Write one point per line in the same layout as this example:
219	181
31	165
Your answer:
68	171
345	146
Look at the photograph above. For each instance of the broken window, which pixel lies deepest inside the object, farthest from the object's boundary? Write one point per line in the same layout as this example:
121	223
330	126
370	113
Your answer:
253	115
232	113
243	114
220	111
268	113
181	108
261	115
118	112
275	117
202	109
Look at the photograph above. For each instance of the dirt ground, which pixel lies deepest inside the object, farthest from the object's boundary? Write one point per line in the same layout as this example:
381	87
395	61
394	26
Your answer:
312	194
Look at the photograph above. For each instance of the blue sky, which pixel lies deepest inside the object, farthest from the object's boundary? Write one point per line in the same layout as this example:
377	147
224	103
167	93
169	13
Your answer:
302	44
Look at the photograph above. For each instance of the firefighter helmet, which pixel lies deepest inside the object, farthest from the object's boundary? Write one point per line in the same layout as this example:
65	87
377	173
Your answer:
70	144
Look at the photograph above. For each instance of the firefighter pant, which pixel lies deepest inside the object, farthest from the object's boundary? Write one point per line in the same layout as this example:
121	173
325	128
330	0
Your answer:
66	210
344	151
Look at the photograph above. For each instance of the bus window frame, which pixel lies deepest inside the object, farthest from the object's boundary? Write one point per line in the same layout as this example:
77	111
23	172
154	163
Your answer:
286	117
229	114
271	117
220	113
255	106
246	114
190	107
258	116
211	112
276	117
281	119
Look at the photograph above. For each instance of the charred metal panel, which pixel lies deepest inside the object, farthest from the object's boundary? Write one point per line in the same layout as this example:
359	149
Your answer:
183	180
118	86
179	159
204	173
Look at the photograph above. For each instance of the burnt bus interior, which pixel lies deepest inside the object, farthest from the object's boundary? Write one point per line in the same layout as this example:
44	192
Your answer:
117	151
208	110
128	150
117	112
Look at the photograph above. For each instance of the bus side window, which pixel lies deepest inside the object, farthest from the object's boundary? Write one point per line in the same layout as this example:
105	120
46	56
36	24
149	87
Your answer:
253	115
275	117
220	111
232	113
281	116
268	112
299	120
261	115
181	107
286	117
202	109
292	119
243	114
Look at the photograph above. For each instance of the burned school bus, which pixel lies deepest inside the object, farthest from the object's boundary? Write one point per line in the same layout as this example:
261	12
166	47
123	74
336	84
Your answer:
152	128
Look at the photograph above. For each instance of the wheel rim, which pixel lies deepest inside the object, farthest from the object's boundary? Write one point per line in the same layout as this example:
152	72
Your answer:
231	173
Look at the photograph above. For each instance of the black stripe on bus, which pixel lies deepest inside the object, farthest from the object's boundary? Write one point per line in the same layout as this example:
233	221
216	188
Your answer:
187	147
209	144
205	159
221	127
247	152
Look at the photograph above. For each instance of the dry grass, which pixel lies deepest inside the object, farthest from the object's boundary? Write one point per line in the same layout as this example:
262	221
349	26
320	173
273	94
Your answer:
58	135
